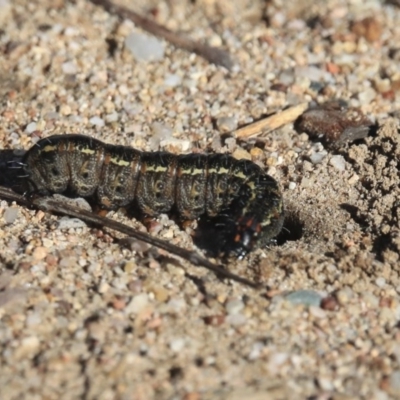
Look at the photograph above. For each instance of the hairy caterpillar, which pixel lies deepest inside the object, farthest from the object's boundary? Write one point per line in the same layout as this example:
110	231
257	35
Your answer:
237	198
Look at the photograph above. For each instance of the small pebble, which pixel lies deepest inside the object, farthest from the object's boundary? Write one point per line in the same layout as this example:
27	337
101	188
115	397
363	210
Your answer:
305	297
394	382
113	117
344	295
369	28
329	303
338	162
69	68
256	350
177	304
103	287
97	121
129	266
316	158
292	185
234	306
10	215
27	347
366	96
70	223
161	294
40	253
31	127
381	282
236	319
326	384
137	304
317	312
144	47
286	77
172	80
177	344
241	154
226	124
214	320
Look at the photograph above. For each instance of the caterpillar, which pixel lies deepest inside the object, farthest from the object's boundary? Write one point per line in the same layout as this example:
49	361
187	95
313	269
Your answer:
242	203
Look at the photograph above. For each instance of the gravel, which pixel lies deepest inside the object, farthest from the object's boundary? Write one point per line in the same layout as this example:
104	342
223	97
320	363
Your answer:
86	314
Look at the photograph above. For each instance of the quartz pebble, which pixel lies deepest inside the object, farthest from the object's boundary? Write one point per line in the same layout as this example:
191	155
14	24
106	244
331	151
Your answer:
395	382
137	304
31	127
10	215
316	158
177	344
69	68
172	80
338	162
144	47
97	121
234	306
226	124
305	297
70	223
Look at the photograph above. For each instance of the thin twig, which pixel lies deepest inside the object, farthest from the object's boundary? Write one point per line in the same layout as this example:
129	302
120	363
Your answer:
271	123
53	206
212	54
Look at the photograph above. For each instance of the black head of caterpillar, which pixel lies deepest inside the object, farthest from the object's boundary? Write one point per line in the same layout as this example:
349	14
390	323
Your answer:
242	203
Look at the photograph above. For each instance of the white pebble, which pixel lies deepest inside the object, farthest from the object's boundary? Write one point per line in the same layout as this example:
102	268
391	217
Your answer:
226	124
31	127
177	304
236	319
144	47
137	304
338	163
234	306
104	287
381	282
317	312
317	158
394	381
33	319
69	68
172	80
27	347
326	384
177	344
367	96
10	215
70	223
4	4
255	351
96	121
278	359
286	77
113	117
292	185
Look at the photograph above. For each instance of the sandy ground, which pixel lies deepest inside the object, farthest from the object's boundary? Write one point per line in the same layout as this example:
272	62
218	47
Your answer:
82	316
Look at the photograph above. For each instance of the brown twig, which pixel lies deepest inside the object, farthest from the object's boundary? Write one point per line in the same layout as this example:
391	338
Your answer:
211	54
48	204
270	123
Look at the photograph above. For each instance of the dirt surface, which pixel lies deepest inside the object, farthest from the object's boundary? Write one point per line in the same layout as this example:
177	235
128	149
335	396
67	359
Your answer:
83	315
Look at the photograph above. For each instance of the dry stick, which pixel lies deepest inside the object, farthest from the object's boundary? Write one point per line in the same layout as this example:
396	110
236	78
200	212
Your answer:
50	205
270	123
213	55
